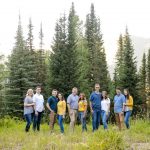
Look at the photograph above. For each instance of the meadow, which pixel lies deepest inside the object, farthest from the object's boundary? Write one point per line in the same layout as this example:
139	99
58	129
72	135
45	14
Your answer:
13	137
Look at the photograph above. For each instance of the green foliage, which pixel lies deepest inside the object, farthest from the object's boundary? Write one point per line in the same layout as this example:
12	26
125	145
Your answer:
118	75
98	72
18	76
148	71
142	79
63	60
125	74
130	78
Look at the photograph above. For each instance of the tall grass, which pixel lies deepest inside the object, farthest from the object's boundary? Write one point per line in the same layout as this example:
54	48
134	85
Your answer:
13	136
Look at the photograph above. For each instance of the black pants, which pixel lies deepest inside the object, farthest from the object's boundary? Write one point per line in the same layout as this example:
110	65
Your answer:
37	121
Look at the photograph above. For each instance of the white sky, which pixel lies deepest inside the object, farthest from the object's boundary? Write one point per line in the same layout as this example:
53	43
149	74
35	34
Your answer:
114	16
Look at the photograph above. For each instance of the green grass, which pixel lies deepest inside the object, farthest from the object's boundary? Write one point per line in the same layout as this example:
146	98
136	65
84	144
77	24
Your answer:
12	136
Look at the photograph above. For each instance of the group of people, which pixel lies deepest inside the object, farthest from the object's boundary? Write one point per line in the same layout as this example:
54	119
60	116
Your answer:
77	107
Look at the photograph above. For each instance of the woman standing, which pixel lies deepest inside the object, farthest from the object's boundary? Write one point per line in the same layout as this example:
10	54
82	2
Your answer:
28	108
128	107
82	111
61	110
105	108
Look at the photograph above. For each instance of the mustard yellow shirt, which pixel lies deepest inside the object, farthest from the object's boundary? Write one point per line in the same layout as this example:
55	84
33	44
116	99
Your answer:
61	107
129	103
82	105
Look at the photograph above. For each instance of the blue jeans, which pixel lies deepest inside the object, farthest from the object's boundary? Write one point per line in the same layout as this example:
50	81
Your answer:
126	118
104	119
28	118
83	121
96	119
37	121
60	122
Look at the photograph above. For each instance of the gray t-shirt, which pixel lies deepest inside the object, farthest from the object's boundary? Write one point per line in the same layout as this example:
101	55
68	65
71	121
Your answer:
72	100
28	109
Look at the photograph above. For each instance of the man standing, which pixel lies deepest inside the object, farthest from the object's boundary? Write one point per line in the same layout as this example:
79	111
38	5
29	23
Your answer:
95	106
72	103
52	107
119	104
38	101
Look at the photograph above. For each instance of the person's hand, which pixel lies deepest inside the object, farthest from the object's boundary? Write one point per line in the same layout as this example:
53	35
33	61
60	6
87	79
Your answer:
36	113
107	113
63	116
51	111
122	112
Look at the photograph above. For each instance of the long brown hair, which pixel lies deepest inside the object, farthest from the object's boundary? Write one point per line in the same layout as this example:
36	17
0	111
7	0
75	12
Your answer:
84	98
128	93
106	95
61	95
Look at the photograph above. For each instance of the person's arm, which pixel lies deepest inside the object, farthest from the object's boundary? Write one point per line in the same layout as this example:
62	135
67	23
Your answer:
124	101
91	98
26	103
48	106
34	101
108	106
85	109
43	103
130	102
64	108
68	103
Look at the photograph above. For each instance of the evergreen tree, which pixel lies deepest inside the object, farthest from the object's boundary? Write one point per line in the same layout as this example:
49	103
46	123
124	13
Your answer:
41	65
18	81
130	79
119	63
148	71
63	60
142	76
98	72
58	58
72	42
32	58
83	64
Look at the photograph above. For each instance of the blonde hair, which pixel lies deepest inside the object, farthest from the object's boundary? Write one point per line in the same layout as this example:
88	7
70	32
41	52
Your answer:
29	90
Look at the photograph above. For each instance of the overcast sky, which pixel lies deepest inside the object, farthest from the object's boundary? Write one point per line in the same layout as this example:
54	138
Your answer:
114	16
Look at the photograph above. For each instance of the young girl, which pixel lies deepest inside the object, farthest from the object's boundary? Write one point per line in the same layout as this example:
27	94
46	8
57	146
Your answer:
28	108
105	108
128	107
82	111
61	110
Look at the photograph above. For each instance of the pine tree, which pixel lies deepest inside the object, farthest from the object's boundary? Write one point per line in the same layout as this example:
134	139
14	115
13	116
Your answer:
18	81
148	71
58	68
142	77
32	60
130	79
72	40
83	64
119	62
41	65
98	72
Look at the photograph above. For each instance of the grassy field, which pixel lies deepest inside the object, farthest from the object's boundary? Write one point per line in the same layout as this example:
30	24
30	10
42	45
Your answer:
13	137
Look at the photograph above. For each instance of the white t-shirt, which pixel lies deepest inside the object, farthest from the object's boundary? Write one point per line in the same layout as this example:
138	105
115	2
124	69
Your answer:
39	102
105	104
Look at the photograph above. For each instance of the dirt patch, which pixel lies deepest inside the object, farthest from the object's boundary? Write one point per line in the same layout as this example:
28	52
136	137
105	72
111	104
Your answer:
140	146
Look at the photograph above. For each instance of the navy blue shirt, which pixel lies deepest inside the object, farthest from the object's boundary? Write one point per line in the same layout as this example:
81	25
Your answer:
52	101
95	99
